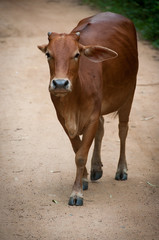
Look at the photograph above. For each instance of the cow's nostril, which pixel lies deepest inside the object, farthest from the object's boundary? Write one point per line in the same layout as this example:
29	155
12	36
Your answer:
54	83
66	83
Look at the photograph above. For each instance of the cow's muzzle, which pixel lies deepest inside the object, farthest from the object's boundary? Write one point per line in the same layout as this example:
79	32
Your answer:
60	86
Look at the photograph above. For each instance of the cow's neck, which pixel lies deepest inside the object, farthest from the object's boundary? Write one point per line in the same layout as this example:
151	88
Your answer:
70	112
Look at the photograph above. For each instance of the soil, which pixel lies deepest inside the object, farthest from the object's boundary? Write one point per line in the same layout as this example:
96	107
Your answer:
37	161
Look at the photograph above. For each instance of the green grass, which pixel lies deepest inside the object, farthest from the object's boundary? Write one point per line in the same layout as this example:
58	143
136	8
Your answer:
144	14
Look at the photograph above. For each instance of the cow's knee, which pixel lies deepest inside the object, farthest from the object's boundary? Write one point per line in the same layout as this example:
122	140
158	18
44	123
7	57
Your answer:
80	162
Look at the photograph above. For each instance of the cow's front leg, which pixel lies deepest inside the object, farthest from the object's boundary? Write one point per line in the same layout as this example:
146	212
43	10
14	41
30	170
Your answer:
76	144
96	164
76	197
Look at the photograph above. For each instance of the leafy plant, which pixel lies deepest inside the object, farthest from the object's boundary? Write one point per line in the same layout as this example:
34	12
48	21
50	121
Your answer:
144	14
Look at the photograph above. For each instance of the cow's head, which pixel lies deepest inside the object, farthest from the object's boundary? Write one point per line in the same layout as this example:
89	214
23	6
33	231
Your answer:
63	53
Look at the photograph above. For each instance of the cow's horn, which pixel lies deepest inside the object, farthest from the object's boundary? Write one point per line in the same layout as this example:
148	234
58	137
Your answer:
49	33
78	34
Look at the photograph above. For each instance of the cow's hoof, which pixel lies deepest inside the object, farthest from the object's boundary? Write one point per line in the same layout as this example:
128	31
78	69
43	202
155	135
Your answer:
121	176
85	185
75	201
95	175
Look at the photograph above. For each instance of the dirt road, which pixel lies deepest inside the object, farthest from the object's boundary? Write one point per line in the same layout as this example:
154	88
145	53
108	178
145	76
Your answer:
37	162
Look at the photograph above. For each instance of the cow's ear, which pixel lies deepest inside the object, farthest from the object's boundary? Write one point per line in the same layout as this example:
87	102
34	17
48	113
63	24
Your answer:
43	47
98	53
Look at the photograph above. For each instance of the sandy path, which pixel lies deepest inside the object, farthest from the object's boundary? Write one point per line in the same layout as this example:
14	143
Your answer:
36	159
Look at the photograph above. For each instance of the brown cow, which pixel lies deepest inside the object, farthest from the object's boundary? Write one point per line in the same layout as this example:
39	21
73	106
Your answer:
92	73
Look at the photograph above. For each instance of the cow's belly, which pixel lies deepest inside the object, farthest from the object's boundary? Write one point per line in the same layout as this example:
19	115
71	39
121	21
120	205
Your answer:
114	98
108	107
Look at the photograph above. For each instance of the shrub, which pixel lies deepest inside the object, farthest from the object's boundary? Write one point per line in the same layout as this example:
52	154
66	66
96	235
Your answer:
144	14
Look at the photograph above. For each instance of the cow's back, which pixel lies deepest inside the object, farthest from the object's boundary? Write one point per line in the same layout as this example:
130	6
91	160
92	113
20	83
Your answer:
109	30
119	75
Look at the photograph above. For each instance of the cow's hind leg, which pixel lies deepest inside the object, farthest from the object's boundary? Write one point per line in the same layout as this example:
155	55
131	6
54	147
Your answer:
123	113
96	164
121	173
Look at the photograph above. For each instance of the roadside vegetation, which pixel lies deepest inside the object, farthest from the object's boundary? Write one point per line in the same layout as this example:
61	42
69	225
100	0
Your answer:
144	14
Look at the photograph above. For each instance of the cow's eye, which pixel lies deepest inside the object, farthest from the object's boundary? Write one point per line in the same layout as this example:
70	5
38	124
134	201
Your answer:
47	54
77	56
